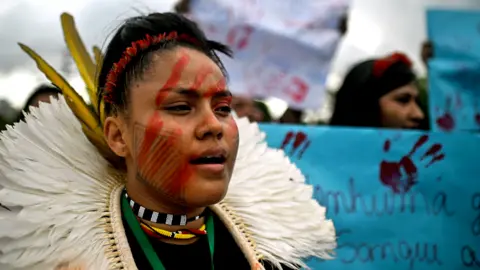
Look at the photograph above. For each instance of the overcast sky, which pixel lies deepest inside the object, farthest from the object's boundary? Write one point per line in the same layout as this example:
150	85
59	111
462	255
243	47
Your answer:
377	27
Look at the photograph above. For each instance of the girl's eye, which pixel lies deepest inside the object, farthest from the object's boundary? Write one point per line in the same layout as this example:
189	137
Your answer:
225	109
404	99
178	108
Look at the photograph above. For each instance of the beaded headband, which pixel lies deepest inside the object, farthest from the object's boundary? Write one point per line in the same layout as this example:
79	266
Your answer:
381	65
132	51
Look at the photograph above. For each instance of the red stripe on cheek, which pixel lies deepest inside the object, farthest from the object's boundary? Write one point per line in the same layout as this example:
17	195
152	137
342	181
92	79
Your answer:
154	127
183	175
181	170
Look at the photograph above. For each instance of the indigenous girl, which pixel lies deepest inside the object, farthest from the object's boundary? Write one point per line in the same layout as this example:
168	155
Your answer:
175	181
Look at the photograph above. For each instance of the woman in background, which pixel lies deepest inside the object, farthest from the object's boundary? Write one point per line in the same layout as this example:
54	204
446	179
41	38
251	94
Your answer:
379	93
42	93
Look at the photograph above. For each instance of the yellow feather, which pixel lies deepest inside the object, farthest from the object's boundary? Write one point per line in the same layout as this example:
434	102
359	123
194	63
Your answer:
102	111
92	122
99	61
88	119
98	57
80	55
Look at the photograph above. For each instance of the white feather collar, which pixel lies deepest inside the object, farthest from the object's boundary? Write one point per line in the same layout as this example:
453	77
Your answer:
58	184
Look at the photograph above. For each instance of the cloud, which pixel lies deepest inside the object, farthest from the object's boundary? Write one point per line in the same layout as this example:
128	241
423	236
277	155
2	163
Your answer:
38	26
21	23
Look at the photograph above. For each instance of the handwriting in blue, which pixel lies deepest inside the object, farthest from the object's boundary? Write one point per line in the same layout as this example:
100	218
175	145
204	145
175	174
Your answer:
399	200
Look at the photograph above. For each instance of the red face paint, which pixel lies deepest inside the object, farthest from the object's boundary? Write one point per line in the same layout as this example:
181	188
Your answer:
174	78
160	161
220	86
158	158
200	77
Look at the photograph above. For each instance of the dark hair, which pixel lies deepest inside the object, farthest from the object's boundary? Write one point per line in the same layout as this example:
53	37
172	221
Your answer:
137	28
357	100
182	6
42	89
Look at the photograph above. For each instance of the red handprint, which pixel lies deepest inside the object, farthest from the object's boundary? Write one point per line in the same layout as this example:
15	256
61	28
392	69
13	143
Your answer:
299	139
238	37
391	172
446	122
297	89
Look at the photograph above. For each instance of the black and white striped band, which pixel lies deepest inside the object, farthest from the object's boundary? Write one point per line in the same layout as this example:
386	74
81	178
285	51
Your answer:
161	218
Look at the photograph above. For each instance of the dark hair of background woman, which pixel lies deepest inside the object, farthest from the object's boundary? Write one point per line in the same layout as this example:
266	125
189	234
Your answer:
43	89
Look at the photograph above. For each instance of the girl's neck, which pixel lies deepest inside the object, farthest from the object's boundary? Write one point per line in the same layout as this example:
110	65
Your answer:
150	199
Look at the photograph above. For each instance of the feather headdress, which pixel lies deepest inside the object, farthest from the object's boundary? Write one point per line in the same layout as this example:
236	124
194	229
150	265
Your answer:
91	120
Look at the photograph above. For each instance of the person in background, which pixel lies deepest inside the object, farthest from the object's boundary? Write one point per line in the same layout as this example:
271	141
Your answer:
426	54
267	117
379	93
42	93
182	6
247	107
343	24
291	116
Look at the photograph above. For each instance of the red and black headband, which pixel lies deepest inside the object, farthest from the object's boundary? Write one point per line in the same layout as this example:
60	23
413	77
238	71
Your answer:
138	46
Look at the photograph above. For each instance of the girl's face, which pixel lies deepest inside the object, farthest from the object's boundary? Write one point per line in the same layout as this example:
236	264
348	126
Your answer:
180	137
399	108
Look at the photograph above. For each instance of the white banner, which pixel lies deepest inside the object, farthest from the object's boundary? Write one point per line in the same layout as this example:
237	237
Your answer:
282	48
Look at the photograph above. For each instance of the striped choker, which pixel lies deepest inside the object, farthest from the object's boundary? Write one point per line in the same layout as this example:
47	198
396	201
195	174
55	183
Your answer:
160	218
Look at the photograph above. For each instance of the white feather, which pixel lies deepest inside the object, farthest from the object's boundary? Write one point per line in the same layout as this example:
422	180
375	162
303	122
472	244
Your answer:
58	185
270	195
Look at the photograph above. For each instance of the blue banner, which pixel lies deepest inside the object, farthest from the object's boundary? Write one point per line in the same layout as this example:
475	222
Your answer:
454	72
399	200
454	95
455	34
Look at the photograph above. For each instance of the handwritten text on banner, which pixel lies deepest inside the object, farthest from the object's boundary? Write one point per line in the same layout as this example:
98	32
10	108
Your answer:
359	175
278	52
